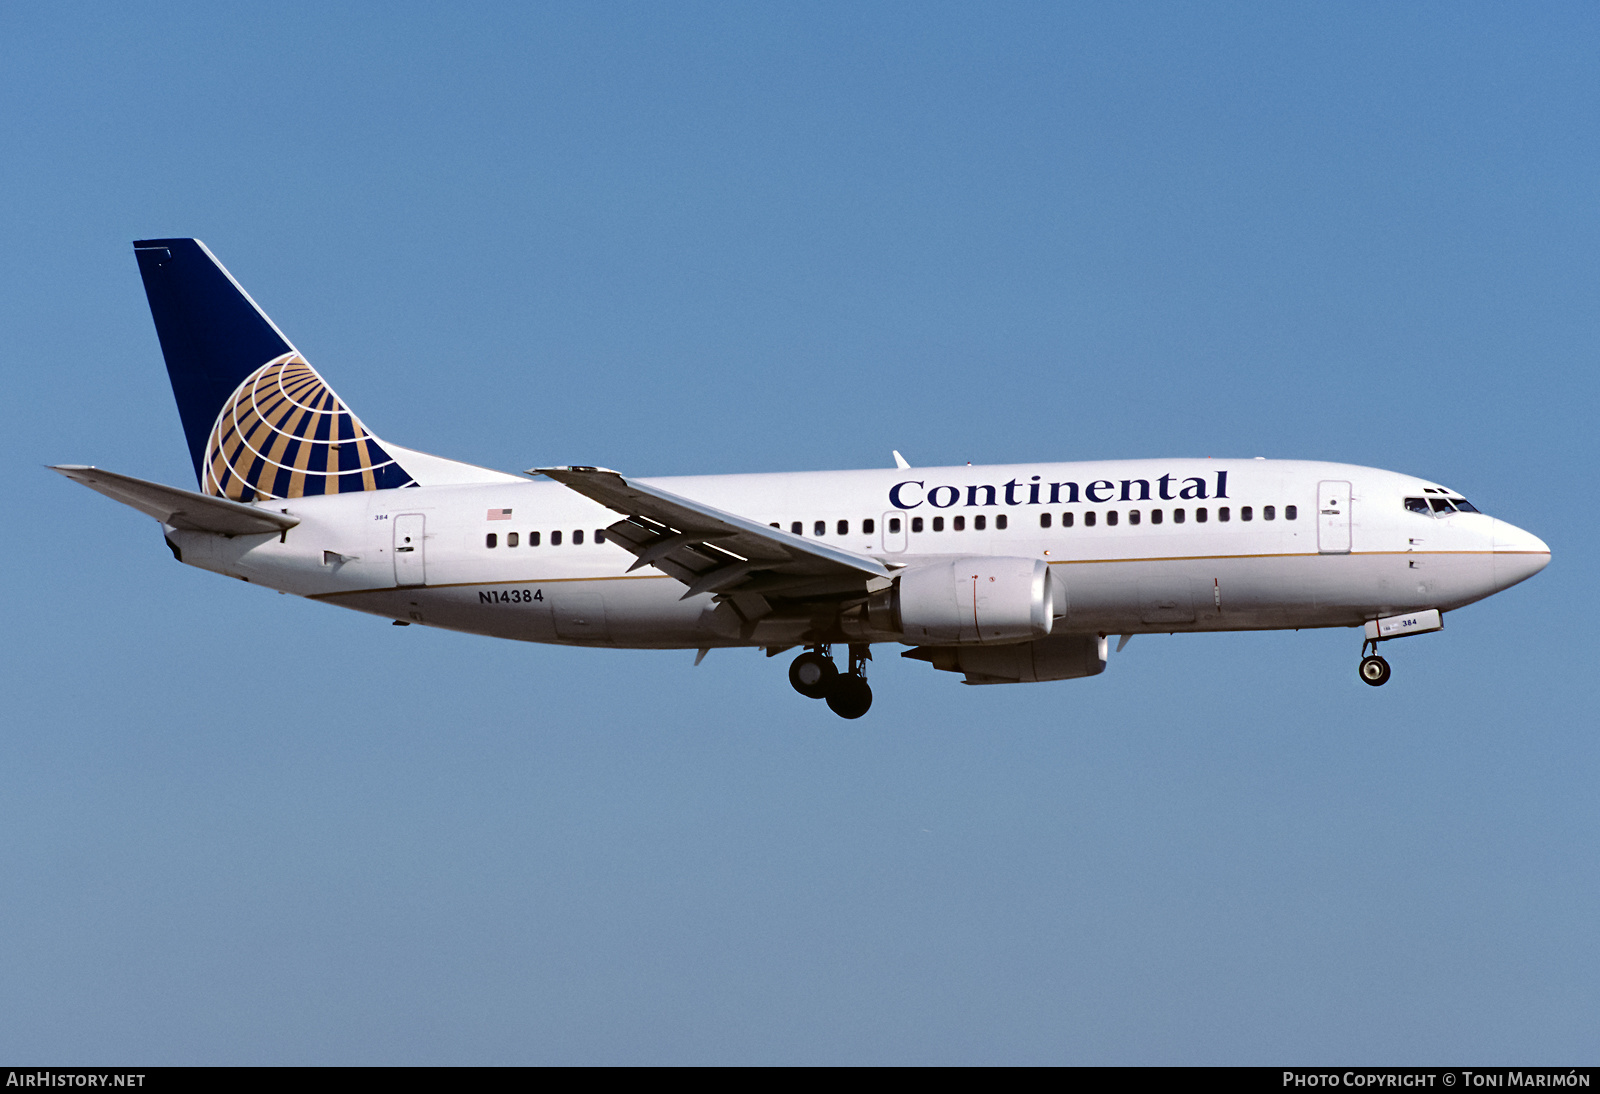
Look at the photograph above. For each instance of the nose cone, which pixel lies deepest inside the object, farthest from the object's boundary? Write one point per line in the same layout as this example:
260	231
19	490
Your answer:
1518	555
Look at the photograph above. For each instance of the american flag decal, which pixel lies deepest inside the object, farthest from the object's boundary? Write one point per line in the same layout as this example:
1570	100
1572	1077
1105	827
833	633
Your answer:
499	514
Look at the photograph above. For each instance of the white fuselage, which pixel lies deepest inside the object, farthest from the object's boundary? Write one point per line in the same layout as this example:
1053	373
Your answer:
1351	551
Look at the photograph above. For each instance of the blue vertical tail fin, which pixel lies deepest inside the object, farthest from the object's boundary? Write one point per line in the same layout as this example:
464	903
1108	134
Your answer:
261	424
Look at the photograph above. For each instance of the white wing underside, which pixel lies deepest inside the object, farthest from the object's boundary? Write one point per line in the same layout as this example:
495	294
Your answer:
741	561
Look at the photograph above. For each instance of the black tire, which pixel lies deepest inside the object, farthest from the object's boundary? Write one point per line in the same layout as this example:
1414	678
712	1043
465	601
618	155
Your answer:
1374	670
850	697
812	675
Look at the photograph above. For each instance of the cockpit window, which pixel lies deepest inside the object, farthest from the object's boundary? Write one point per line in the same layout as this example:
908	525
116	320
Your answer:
1439	505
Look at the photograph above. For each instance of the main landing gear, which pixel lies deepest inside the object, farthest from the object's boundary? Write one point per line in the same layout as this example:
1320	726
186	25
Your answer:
815	676
1373	670
813	673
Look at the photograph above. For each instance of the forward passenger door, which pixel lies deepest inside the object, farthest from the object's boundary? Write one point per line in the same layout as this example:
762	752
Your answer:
1333	518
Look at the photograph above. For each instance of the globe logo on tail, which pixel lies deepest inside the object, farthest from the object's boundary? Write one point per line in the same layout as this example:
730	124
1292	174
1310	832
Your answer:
285	434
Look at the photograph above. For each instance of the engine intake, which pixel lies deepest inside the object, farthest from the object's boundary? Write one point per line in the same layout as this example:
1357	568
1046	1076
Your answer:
973	600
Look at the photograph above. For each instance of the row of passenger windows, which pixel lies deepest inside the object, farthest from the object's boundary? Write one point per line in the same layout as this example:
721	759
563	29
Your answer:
819	528
869	526
514	539
957	524
1157	516
980	521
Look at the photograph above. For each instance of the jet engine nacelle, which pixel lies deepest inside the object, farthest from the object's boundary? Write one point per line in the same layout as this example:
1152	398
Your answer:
1059	657
969	601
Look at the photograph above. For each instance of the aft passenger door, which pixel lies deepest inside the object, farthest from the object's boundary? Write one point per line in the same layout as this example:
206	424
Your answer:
1333	518
410	557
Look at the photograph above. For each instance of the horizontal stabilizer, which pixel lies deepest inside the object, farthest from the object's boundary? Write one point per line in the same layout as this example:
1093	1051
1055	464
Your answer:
180	508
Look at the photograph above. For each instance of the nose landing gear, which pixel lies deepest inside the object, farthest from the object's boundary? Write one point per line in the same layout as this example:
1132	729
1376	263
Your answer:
1373	669
814	675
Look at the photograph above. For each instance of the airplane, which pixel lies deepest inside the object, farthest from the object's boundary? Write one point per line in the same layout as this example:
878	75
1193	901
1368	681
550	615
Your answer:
1014	573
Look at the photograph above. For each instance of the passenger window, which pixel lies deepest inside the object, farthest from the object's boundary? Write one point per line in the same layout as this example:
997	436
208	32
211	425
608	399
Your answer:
491	540
938	524
555	539
1044	520
533	539
1088	519
1222	514
1290	512
1200	516
1269	512
894	525
797	528
1245	512
1155	516
867	527
1066	520
1133	516
1000	521
577	537
774	524
844	528
980	522
1177	516
958	524
599	535
1111	518
1417	505
511	539
916	524
1440	505
819	527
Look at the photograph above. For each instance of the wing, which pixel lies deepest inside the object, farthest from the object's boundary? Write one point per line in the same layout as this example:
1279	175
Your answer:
742	561
181	508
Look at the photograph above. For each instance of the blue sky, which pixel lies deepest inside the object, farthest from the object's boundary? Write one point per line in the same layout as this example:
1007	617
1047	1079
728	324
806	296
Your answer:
238	827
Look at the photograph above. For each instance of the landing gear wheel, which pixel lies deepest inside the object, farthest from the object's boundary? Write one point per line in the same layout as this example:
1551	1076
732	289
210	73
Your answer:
1374	670
850	696
813	674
